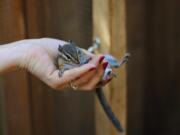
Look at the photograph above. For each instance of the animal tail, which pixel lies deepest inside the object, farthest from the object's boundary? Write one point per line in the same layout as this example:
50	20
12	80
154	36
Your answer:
108	110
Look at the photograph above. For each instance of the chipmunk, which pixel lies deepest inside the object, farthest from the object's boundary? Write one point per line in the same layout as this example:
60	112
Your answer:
71	56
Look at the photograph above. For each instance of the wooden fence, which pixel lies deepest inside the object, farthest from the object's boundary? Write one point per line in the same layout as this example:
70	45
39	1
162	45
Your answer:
32	108
145	98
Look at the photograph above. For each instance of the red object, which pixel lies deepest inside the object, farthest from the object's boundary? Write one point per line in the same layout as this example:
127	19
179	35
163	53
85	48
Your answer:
105	65
101	59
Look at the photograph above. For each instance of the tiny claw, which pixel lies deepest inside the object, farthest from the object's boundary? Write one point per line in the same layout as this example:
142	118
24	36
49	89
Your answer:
60	73
124	59
127	55
60	48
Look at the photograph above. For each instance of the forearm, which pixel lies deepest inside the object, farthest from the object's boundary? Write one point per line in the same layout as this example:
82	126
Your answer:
10	56
20	53
39	57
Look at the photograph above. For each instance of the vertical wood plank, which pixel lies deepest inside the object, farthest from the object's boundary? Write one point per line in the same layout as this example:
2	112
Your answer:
136	44
101	29
118	49
153	37
15	84
41	99
60	112
161	115
109	25
2	109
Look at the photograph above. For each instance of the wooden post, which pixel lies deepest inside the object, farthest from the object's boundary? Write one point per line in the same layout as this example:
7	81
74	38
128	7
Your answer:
109	26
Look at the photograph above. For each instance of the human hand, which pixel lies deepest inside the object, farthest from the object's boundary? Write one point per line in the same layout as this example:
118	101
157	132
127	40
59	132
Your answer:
40	56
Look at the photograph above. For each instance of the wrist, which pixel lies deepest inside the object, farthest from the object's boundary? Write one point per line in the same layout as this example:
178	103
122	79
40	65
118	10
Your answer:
22	53
11	56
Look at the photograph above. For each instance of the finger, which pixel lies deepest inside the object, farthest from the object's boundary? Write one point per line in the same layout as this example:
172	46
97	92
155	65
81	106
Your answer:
95	80
97	60
58	82
103	83
84	79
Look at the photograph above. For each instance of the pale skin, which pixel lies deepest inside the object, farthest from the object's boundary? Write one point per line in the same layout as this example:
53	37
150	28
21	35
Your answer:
38	56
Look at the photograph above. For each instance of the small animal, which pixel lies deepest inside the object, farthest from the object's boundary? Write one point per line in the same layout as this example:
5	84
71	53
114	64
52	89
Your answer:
70	56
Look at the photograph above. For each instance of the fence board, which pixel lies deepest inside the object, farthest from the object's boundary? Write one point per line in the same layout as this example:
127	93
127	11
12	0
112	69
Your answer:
15	84
109	25
2	109
64	112
136	44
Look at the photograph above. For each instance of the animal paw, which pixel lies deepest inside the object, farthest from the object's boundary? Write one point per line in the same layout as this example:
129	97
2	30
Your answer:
60	73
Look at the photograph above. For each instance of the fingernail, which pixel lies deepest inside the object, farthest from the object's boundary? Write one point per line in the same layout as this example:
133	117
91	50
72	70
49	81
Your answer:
90	58
92	69
105	65
101	59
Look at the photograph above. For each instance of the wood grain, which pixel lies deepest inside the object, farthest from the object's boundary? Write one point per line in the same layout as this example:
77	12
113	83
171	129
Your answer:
109	26
118	49
60	112
18	119
101	29
153	75
161	113
136	44
2	109
148	104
